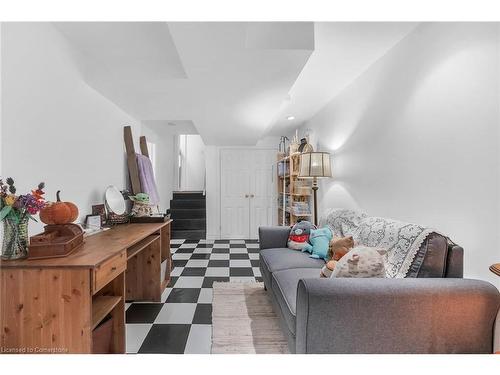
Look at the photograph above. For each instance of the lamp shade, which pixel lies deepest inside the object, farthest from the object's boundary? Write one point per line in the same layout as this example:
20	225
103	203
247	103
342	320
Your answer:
315	164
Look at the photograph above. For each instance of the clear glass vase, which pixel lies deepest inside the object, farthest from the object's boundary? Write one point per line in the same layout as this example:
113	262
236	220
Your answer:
15	239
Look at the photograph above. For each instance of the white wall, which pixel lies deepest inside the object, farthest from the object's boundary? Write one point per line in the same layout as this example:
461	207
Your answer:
416	137
193	162
55	127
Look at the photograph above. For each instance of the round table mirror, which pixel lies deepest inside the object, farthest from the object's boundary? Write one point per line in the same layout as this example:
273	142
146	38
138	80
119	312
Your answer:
114	200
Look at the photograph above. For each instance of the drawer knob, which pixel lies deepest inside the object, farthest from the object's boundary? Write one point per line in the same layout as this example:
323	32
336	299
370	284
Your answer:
113	268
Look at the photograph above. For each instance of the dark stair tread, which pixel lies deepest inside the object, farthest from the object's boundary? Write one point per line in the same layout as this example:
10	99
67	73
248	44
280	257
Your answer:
189	234
187	203
179	224
188	195
188	213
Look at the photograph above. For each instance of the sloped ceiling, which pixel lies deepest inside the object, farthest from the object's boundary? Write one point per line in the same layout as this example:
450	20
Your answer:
233	83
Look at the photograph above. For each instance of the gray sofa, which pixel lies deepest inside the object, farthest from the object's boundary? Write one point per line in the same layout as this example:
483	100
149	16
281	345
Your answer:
434	310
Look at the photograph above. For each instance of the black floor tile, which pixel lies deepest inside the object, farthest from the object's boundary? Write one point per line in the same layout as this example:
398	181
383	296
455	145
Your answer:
218	263
191	241
173	279
208	281
238	256
142	312
240	271
183	295
255	262
174	245
237	245
253	250
179	263
166	339
200	256
204	245
251	241
185	251
221	241
194	271
203	314
220	251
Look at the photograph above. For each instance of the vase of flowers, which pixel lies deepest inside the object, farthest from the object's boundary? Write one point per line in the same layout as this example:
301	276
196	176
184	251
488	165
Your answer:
15	213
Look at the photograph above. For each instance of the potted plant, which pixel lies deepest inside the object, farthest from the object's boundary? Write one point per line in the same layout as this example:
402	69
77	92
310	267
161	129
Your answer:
15	212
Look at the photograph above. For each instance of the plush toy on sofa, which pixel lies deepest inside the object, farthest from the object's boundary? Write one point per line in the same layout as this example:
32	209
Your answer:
319	241
299	235
339	247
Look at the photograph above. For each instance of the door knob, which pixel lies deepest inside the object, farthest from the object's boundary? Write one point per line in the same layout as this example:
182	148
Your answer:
251	195
246	195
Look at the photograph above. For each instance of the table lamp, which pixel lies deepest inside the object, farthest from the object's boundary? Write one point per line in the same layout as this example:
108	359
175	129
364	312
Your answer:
315	165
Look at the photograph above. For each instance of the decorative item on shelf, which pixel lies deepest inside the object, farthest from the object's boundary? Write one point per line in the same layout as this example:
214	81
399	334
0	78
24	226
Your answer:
495	268
282	148
305	146
142	211
115	206
315	165
58	240
59	212
15	212
295	143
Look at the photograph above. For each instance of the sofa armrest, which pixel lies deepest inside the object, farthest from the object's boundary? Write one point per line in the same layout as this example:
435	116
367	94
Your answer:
273	237
395	316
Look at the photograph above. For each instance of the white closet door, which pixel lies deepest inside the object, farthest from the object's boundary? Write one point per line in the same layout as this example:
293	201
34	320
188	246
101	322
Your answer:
262	191
235	181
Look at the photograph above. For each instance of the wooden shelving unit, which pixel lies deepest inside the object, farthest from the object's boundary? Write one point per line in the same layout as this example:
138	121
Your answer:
294	193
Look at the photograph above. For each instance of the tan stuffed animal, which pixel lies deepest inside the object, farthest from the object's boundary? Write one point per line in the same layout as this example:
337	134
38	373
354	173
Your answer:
339	247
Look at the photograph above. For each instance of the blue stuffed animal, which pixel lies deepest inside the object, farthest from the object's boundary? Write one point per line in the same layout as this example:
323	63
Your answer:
319	242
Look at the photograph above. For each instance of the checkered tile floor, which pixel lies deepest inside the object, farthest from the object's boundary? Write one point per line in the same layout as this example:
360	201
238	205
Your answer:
182	323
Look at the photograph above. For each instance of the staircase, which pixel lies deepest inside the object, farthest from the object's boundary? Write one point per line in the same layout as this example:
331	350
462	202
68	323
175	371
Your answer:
188	212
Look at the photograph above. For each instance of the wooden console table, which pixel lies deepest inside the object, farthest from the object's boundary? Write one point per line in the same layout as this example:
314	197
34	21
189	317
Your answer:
53	305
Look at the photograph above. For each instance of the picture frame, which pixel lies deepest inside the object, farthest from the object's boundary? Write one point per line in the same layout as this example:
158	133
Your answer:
93	221
100	209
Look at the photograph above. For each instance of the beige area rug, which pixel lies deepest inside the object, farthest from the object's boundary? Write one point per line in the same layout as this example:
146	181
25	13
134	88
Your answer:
243	320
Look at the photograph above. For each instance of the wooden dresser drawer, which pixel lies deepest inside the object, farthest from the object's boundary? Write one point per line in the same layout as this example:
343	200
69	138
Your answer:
108	270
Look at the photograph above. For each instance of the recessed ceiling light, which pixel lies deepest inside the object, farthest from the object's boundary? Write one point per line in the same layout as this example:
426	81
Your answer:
290	118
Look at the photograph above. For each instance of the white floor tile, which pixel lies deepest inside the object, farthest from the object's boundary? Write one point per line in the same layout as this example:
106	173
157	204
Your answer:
165	294
199	339
202	250
219	256
252	245
238	250
127	305
239	263
135	335
193	263
256	271
176	271
221	246
241	279
253	256
176	313
176	241
206	295
207	241
217	271
189	282
181	256
188	246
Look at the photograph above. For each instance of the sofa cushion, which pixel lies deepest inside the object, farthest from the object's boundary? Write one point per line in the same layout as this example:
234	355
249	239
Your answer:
284	288
284	259
431	258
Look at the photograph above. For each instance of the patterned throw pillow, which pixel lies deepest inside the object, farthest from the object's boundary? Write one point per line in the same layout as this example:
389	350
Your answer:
361	261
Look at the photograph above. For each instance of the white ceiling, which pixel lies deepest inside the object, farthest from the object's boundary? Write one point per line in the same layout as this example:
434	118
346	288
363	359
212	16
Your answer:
231	82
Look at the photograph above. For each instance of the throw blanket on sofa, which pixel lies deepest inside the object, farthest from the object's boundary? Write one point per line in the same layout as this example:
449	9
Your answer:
401	240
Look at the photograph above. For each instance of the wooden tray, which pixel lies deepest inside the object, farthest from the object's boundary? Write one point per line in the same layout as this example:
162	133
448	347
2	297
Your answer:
56	241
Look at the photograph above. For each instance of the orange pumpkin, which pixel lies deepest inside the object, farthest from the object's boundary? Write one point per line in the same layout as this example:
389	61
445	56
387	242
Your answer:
59	212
